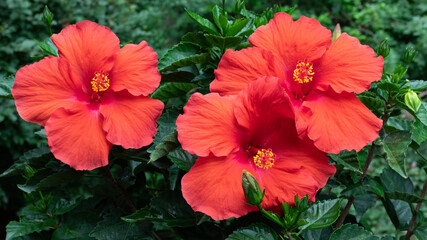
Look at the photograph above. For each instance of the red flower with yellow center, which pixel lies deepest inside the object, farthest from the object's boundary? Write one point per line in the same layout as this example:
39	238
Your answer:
92	96
255	131
321	77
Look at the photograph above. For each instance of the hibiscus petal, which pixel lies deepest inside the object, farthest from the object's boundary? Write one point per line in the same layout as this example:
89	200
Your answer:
208	125
239	68
303	39
130	121
89	48
339	121
135	69
214	186
348	66
75	137
43	87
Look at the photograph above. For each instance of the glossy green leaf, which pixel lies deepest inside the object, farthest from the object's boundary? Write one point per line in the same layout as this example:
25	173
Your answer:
352	232
321	214
169	143
223	42
76	226
421	233
417	85
181	55
172	90
347	159
48	48
257	231
399	123
17	229
317	234
169	207
422	113
112	228
375	187
195	38
182	159
374	104
393	182
410	198
204	23
420	132
239	27
6	84
395	145
362	203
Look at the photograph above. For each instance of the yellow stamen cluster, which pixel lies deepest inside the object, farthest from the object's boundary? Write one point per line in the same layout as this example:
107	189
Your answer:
100	82
264	158
303	72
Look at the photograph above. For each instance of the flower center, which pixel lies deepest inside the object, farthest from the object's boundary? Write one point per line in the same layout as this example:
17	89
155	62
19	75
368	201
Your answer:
303	72
100	82
264	158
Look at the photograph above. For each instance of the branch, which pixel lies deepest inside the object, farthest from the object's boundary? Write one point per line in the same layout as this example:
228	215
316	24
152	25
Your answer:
414	215
119	189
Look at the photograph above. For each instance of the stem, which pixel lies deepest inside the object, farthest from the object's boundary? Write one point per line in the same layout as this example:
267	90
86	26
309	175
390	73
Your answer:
289	235
223	7
119	189
414	215
50	30
269	216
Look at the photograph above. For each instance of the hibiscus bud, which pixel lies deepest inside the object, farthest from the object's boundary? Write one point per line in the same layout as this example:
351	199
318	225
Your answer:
336	33
409	55
253	193
412	100
383	48
47	16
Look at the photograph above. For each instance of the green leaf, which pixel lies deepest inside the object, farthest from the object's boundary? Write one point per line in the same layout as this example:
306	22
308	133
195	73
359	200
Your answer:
47	16
180	76
421	233
204	23
48	48
76	226
239	27
321	214
375	187
422	113
58	178
352	232
258	231
420	132
393	182
399	123
218	18
195	38
169	143
417	85
169	207
317	234
223	42
182	159
409	198
37	157
112	228
388	86
395	145
172	90
166	125
17	229
181	55
362	203
374	104
6	84
347	159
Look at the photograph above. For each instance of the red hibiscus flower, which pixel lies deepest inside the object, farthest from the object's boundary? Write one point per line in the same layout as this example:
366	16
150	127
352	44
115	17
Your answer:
320	76
92	96
254	130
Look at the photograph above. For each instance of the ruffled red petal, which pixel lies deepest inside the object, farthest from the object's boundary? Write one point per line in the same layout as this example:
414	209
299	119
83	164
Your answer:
89	48
208	125
339	121
135	70
214	186
75	137
43	87
239	68
130	121
260	107
293	41
348	66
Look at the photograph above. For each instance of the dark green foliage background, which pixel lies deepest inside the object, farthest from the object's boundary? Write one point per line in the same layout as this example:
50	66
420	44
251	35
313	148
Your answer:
162	24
